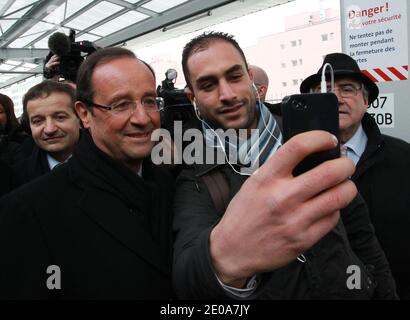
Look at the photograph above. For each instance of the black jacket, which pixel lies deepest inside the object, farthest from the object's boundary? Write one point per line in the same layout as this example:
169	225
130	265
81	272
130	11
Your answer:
323	276
383	178
6	178
31	168
10	154
10	151
107	229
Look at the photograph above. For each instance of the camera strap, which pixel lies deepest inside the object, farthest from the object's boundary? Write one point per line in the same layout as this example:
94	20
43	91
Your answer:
218	189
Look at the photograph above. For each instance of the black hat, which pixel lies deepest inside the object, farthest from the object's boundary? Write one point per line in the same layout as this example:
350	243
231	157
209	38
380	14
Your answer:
343	65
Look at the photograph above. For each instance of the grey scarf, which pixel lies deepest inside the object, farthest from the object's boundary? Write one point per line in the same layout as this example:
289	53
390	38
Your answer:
248	152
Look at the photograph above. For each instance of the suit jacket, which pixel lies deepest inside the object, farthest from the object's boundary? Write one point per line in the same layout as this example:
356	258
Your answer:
107	230
31	167
383	179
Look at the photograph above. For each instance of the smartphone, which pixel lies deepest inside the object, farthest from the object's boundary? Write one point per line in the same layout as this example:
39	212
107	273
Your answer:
311	111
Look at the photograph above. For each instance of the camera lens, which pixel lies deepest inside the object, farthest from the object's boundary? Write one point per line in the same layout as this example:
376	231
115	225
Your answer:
299	105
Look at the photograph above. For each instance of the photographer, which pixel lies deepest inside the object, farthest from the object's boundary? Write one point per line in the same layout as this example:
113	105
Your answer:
50	66
178	115
65	57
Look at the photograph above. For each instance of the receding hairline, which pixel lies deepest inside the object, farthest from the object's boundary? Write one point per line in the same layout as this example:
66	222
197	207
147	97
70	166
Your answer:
259	75
108	60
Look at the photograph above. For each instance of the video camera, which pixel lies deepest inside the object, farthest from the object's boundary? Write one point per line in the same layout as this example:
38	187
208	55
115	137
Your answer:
177	105
71	54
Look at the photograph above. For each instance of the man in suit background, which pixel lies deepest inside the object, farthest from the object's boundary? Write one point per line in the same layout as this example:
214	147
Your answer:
48	109
382	172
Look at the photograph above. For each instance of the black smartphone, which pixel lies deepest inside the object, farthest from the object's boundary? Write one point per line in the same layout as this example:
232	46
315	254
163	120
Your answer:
311	111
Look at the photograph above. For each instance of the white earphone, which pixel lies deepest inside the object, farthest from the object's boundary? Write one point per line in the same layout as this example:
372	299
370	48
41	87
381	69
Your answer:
254	86
198	114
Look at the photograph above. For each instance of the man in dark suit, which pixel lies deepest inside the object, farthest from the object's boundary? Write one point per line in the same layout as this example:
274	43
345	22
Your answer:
98	226
382	172
48	108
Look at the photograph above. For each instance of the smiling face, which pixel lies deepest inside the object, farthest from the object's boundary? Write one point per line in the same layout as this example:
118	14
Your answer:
353	105
222	86
125	137
54	125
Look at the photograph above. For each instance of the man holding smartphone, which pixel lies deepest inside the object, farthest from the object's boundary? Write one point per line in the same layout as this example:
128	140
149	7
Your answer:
382	172
280	237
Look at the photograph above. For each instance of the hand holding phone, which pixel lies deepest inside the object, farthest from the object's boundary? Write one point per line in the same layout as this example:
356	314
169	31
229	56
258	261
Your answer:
311	111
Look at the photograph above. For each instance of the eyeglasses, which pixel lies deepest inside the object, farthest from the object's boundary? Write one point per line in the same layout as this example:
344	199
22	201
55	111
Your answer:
127	107
345	90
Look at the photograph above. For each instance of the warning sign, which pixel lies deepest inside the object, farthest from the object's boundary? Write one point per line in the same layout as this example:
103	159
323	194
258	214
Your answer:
376	37
382	110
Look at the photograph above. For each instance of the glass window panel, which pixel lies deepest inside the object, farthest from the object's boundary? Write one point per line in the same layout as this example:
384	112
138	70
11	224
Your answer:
18	4
6	24
20	13
119	23
42	44
87	37
5	77
56	15
38	28
36	31
22	69
162	5
21	42
6	67
74	5
29	65
95	14
2	3
13	62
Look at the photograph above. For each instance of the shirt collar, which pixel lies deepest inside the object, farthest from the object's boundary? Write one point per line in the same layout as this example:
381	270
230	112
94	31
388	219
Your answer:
52	162
358	142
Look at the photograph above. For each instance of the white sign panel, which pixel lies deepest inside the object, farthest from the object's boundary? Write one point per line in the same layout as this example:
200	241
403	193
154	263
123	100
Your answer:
382	110
376	36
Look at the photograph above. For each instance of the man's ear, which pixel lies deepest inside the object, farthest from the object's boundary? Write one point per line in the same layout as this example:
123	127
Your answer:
83	113
251	75
263	89
366	101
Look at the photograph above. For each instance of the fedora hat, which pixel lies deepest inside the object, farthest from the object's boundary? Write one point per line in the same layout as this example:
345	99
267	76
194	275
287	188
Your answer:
343	66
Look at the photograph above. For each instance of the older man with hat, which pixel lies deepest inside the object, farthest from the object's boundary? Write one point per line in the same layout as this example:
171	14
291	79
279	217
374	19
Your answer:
382	162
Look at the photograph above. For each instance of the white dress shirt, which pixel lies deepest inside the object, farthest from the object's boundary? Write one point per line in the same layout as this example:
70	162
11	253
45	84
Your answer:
356	145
